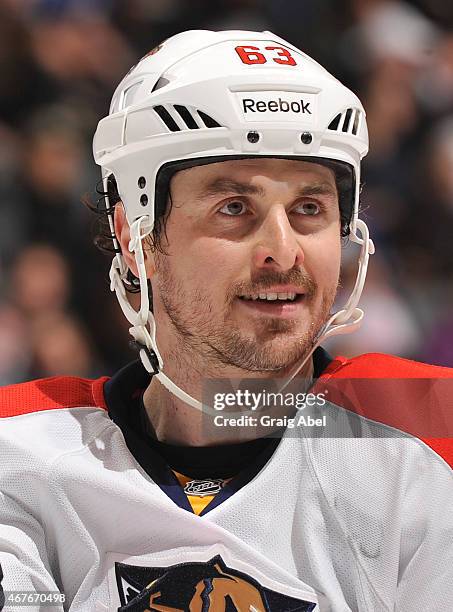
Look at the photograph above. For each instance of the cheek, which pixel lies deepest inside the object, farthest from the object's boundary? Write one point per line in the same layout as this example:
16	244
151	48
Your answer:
323	260
218	262
210	265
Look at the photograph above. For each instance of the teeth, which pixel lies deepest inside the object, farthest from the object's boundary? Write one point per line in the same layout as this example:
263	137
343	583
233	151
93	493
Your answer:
271	297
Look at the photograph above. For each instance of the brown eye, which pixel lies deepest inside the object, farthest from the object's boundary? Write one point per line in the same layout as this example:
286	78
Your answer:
309	208
233	209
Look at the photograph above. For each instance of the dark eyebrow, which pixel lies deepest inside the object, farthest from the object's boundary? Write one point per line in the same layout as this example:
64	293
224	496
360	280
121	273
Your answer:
319	189
226	185
222	186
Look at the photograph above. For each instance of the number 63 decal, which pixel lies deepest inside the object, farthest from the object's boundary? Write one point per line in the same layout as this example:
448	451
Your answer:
252	55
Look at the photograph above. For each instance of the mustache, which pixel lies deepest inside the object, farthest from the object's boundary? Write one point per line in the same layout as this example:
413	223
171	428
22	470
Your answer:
297	277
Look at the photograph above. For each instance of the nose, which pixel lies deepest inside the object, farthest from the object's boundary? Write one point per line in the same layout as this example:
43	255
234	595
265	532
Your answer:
277	247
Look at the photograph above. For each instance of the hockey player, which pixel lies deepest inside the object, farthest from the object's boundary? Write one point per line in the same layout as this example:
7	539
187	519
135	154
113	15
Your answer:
231	164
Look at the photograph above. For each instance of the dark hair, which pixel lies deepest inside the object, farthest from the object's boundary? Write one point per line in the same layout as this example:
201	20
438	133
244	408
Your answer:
104	208
107	200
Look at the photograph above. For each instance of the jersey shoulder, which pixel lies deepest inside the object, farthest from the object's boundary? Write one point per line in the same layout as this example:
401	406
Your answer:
52	393
380	365
408	395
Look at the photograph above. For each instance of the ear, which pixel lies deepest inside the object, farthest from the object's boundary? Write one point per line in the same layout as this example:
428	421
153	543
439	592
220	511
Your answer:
123	235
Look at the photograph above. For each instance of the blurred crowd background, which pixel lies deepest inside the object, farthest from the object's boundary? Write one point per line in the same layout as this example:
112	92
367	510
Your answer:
59	63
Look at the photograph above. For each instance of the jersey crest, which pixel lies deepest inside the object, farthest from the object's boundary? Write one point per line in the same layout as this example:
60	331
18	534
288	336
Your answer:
209	586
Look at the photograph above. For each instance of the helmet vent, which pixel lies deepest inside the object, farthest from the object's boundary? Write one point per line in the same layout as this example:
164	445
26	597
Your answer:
162	82
167	118
333	125
347	121
129	94
355	124
186	116
208	121
177	117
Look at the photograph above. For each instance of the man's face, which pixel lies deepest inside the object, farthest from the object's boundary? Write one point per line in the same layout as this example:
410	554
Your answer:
242	229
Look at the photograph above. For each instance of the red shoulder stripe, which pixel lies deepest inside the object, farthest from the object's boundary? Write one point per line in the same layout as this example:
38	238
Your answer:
52	393
408	395
442	446
336	365
378	365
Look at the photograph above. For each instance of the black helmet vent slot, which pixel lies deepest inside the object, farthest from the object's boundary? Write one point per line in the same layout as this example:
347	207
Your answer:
208	121
348	121
178	118
355	124
167	118
186	116
333	125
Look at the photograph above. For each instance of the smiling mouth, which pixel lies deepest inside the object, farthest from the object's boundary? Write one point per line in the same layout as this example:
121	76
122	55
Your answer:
281	305
273	298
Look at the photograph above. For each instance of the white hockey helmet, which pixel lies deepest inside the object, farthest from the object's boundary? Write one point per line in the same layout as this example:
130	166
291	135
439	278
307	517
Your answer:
201	97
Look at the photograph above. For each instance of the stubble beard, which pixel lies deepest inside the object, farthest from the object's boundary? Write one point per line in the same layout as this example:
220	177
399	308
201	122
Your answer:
276	344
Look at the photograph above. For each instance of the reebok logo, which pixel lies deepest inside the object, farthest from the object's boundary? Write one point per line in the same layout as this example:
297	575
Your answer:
284	106
270	106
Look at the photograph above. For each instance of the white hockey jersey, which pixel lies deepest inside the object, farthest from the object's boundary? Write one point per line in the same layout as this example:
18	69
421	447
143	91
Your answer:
316	524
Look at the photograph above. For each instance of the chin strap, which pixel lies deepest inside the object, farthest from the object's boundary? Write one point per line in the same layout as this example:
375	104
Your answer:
345	321
144	339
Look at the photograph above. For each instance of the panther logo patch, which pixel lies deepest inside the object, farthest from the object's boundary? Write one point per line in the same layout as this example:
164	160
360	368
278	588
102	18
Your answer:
198	587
